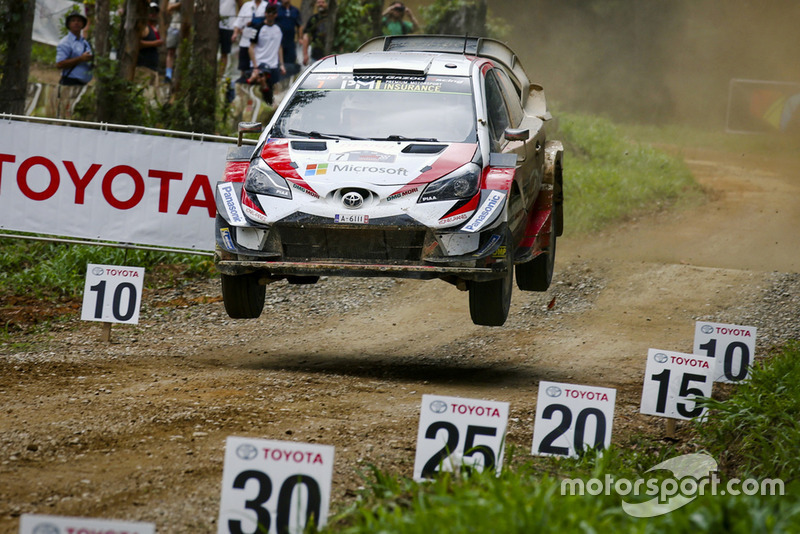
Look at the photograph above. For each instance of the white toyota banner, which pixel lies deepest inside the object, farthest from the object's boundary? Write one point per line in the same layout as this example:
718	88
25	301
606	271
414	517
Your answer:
92	184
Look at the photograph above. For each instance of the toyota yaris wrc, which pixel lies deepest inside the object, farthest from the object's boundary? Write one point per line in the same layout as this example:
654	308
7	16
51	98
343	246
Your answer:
415	157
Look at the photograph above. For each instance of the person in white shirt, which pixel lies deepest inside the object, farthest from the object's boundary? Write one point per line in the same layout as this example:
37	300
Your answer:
227	16
266	54
250	18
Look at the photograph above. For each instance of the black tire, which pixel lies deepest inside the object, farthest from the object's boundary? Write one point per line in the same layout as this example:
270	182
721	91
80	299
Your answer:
490	301
243	295
299	280
536	274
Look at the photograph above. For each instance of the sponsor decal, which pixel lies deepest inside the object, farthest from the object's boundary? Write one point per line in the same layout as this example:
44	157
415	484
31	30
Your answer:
454	218
404	193
485	212
293	456
255	214
97	270
232	207
46	528
553	391
225	234
480	411
400	171
246	451
316	169
438	406
309	192
363	155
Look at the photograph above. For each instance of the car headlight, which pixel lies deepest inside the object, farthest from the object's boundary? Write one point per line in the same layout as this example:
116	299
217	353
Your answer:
262	180
461	183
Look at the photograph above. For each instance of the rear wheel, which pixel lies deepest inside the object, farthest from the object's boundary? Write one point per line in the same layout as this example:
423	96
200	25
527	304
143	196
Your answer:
243	295
490	301
536	274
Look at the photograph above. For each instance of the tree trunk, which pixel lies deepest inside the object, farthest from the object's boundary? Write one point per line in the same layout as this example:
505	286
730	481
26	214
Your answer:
101	28
306	10
465	18
135	21
203	66
14	83
333	7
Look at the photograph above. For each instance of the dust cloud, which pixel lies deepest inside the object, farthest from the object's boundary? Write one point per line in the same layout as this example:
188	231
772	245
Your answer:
655	61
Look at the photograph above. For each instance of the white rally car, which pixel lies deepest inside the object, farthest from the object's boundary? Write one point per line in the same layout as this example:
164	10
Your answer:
416	157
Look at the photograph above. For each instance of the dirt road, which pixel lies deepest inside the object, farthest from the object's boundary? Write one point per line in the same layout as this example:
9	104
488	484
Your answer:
134	429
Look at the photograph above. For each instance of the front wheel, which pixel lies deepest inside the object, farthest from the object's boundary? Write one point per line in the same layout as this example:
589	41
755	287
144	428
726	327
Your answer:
490	301
243	295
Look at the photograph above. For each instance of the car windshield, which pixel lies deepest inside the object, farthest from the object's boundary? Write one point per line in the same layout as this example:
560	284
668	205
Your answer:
387	107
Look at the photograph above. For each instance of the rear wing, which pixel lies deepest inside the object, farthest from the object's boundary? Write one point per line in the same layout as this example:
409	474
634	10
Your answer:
455	44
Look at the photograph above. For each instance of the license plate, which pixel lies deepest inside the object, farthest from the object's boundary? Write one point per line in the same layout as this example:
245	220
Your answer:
351	218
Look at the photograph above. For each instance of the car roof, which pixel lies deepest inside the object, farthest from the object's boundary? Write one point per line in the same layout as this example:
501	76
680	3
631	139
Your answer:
399	63
466	47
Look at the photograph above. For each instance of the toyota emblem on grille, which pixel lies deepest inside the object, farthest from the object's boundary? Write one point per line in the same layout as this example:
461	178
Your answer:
352	200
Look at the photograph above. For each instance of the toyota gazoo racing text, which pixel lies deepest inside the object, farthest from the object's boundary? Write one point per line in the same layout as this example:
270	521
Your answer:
416	157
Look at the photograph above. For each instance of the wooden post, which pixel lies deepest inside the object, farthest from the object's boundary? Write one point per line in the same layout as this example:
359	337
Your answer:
670	428
105	334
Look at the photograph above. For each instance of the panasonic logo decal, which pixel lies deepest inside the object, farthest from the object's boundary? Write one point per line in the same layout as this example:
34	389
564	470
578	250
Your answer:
484	214
232	208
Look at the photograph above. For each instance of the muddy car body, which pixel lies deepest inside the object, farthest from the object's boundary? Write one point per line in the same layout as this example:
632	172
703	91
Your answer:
420	157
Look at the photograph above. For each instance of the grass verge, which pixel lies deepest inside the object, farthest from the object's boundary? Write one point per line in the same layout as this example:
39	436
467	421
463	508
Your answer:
755	431
609	177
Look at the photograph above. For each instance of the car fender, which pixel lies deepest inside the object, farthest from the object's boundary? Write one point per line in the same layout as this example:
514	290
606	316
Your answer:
553	176
553	157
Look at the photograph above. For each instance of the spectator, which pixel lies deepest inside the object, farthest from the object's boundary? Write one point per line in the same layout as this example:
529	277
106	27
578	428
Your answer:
173	36
392	22
151	40
250	17
289	22
227	16
266	54
74	54
315	32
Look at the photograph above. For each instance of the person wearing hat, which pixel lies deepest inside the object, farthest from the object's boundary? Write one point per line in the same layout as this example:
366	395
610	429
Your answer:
74	53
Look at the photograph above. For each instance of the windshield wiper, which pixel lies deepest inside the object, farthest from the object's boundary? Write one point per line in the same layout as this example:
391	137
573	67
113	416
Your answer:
404	138
318	135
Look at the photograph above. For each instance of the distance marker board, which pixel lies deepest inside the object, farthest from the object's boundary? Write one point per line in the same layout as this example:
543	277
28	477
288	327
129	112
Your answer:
52	524
673	380
732	346
455	432
112	294
274	486
571	417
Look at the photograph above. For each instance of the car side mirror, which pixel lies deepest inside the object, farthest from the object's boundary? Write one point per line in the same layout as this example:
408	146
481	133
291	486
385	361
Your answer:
248	127
516	134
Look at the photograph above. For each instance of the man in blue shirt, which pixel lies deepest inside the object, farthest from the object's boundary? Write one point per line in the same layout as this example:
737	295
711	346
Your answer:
74	54
289	21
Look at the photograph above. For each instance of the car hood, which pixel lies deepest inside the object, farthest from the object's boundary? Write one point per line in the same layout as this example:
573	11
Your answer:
321	164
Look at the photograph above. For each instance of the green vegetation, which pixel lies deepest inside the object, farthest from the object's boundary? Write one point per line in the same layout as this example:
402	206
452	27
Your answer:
53	270
608	177
756	431
686	138
527	497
